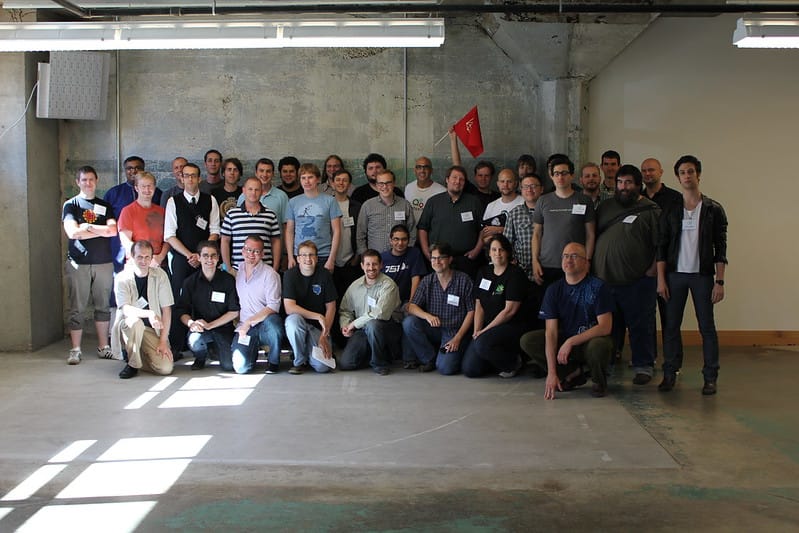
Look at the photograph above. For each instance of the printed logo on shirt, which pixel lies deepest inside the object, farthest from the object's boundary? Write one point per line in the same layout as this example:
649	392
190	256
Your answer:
316	288
89	216
499	289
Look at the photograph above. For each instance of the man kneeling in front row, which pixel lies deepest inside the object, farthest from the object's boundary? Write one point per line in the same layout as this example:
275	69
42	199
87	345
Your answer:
578	311
144	303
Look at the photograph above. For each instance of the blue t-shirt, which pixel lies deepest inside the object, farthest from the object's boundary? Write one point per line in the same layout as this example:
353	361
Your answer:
312	218
402	268
576	306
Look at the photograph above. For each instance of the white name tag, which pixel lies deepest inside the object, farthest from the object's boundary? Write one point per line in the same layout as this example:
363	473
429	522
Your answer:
453	299
630	219
244	340
348	221
99	209
218	297
467	216
202	223
688	224
371	302
399	215
485	284
141	303
578	209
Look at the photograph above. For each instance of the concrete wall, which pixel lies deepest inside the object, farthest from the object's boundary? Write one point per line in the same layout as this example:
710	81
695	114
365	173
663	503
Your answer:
682	87
29	206
308	103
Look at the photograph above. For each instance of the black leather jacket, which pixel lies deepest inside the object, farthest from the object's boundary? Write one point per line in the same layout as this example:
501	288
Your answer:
712	236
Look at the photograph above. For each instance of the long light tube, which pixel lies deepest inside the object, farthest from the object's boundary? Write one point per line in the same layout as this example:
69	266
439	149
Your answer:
221	34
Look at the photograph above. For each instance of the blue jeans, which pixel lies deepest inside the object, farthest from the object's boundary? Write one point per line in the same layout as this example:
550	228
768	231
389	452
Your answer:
701	287
424	343
267	333
198	344
636	303
373	344
303	336
496	349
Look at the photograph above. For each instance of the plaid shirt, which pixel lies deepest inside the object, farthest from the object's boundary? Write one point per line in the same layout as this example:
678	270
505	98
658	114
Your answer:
519	231
433	299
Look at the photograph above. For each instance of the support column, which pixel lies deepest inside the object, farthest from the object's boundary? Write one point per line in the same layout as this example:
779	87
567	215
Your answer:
31	262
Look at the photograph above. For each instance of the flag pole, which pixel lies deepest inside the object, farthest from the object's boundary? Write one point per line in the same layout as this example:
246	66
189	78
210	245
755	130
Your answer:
441	139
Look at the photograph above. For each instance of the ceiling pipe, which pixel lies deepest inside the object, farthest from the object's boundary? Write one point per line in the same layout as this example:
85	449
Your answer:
441	9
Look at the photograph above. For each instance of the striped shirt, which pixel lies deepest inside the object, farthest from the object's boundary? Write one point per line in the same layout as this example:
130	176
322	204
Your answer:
239	224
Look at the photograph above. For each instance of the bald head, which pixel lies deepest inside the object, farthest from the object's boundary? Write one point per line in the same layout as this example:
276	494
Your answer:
652	172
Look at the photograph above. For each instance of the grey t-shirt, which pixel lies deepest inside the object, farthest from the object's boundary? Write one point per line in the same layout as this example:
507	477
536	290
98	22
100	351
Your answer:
563	221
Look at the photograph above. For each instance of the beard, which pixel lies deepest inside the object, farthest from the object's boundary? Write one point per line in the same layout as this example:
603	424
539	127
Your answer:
625	198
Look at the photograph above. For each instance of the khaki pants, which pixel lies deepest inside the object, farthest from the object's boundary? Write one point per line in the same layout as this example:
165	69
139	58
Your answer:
141	343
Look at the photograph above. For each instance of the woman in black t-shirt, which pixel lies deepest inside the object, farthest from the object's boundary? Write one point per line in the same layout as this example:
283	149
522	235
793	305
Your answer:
500	290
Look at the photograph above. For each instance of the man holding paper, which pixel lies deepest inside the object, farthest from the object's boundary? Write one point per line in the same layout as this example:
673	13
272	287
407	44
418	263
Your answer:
258	288
309	297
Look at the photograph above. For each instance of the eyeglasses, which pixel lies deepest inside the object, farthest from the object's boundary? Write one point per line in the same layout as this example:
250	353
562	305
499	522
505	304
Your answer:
306	256
209	256
573	257
530	187
134	168
561	173
439	257
384	183
255	251
422	167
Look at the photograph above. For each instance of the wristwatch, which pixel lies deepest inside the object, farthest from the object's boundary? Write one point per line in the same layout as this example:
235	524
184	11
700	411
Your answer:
720	282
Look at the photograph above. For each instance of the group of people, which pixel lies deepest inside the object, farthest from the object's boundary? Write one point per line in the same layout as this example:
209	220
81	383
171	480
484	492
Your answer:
546	272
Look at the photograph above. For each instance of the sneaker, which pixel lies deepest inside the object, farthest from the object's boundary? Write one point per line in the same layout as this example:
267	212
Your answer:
128	372
272	368
297	370
382	371
106	353
410	365
427	367
74	356
512	373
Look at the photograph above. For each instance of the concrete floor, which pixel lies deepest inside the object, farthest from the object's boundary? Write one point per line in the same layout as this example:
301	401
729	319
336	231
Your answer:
81	450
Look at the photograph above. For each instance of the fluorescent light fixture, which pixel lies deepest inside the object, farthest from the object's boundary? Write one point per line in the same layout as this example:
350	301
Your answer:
767	31
221	34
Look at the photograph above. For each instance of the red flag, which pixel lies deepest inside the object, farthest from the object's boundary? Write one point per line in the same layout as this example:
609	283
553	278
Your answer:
468	131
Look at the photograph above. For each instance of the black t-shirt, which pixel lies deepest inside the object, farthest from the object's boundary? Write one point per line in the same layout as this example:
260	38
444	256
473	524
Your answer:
94	251
312	292
493	291
141	288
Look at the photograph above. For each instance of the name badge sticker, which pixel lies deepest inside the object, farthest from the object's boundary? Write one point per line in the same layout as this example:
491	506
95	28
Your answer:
467	216
371	302
348	222
578	209
453	299
630	219
244	340
99	210
399	215
202	223
485	284
688	224
141	303
218	297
